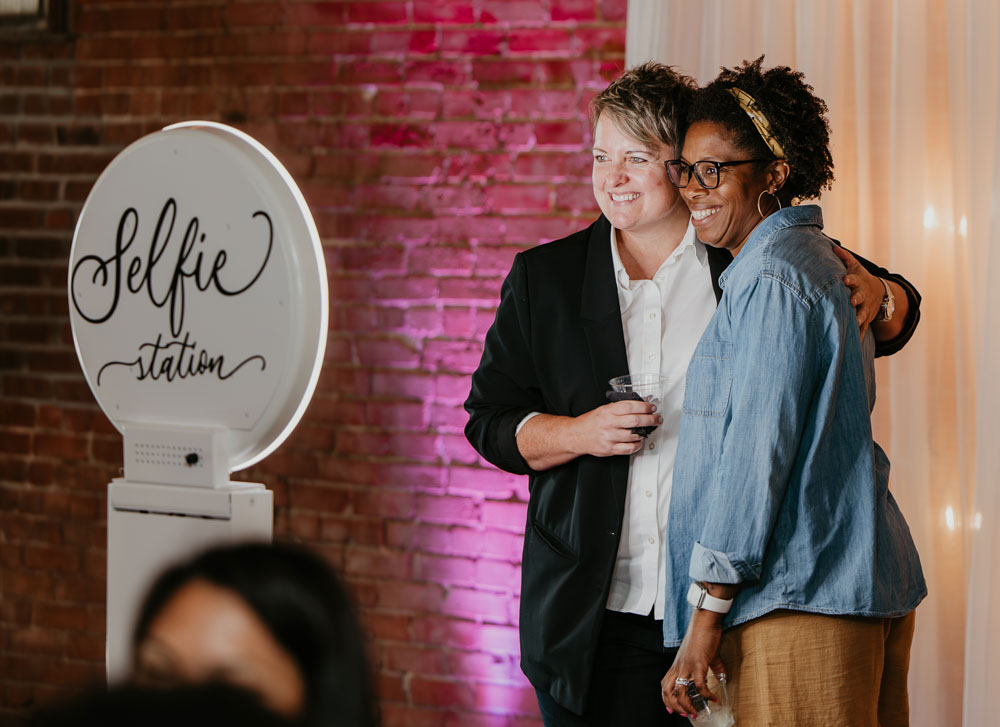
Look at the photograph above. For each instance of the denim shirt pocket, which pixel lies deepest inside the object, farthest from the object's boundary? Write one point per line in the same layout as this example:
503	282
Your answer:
709	379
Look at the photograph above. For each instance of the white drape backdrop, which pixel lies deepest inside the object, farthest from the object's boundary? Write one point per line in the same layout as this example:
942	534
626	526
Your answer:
913	88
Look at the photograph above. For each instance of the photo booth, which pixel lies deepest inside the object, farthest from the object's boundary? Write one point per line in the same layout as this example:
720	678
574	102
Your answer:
198	305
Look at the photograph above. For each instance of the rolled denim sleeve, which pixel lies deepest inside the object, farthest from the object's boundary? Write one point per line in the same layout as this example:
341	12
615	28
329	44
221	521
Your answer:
717	567
775	351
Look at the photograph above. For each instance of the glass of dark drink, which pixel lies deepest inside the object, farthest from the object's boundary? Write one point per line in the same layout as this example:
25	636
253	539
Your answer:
637	387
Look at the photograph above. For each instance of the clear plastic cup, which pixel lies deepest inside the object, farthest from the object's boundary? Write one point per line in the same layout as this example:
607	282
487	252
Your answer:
638	387
712	714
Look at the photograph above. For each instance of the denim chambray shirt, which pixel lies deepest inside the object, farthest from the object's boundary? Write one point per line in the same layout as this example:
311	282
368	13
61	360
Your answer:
778	484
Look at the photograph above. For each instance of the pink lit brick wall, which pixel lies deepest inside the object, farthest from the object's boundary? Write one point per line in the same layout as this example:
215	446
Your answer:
433	139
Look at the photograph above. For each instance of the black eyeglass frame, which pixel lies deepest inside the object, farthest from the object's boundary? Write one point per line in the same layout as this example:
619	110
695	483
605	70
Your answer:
691	170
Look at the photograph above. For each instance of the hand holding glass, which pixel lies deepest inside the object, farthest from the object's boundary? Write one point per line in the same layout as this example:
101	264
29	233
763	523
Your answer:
712	714
637	387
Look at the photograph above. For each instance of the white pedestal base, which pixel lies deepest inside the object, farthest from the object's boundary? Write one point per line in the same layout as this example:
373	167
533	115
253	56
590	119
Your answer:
152	526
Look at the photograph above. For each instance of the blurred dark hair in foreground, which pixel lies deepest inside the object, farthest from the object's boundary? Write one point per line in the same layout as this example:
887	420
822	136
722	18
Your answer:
306	608
196	705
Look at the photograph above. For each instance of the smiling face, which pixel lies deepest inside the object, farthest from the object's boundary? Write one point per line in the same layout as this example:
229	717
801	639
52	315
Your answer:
724	216
630	182
206	633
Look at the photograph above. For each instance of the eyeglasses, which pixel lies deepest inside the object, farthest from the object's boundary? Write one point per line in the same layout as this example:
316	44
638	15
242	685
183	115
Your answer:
706	172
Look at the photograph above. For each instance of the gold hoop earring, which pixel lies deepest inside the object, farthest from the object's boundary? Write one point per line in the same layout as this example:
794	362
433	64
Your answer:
762	193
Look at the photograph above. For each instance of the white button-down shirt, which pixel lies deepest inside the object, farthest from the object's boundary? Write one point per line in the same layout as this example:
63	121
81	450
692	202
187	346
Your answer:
663	319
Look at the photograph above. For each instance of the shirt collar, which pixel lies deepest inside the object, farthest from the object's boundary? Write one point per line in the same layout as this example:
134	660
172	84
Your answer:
689	243
807	214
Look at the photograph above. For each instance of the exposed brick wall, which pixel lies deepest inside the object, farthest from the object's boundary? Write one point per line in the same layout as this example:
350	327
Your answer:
433	139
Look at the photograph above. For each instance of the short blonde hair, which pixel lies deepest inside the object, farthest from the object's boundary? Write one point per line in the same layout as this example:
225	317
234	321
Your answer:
648	102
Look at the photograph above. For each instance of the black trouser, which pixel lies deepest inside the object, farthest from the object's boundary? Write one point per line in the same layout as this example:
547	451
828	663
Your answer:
625	689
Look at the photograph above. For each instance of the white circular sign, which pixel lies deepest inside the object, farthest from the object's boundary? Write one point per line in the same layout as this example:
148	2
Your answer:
197	287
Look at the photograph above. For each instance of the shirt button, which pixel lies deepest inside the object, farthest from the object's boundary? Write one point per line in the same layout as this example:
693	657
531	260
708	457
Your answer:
652	541
650	356
652	315
652	446
649	493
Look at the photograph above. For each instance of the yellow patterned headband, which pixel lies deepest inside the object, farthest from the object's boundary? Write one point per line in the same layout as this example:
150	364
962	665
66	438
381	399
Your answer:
749	104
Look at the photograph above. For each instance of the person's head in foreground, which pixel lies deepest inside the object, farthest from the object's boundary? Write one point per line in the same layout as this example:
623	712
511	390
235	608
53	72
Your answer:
274	619
757	140
637	124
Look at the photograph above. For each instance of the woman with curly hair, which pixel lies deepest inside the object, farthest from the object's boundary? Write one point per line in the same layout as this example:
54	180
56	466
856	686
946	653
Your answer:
782	529
630	293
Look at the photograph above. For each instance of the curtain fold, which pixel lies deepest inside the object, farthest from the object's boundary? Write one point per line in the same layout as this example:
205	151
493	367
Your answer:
973	37
913	88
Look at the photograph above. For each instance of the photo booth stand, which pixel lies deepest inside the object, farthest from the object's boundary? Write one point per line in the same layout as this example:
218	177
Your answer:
198	303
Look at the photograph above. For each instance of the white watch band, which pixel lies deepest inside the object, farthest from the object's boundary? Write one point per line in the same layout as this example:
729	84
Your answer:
700	598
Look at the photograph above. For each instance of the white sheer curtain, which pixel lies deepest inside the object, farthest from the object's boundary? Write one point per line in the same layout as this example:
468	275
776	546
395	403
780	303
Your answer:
913	88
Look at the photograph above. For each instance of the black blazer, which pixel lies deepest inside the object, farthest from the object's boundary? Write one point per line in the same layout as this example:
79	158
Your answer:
556	341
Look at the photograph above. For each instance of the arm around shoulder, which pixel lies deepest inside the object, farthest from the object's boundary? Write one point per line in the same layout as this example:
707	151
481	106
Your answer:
892	335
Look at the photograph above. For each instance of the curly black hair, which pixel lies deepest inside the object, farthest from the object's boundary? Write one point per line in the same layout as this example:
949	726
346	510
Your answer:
796	115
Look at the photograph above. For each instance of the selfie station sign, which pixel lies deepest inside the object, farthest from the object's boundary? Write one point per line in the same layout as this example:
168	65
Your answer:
198	303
